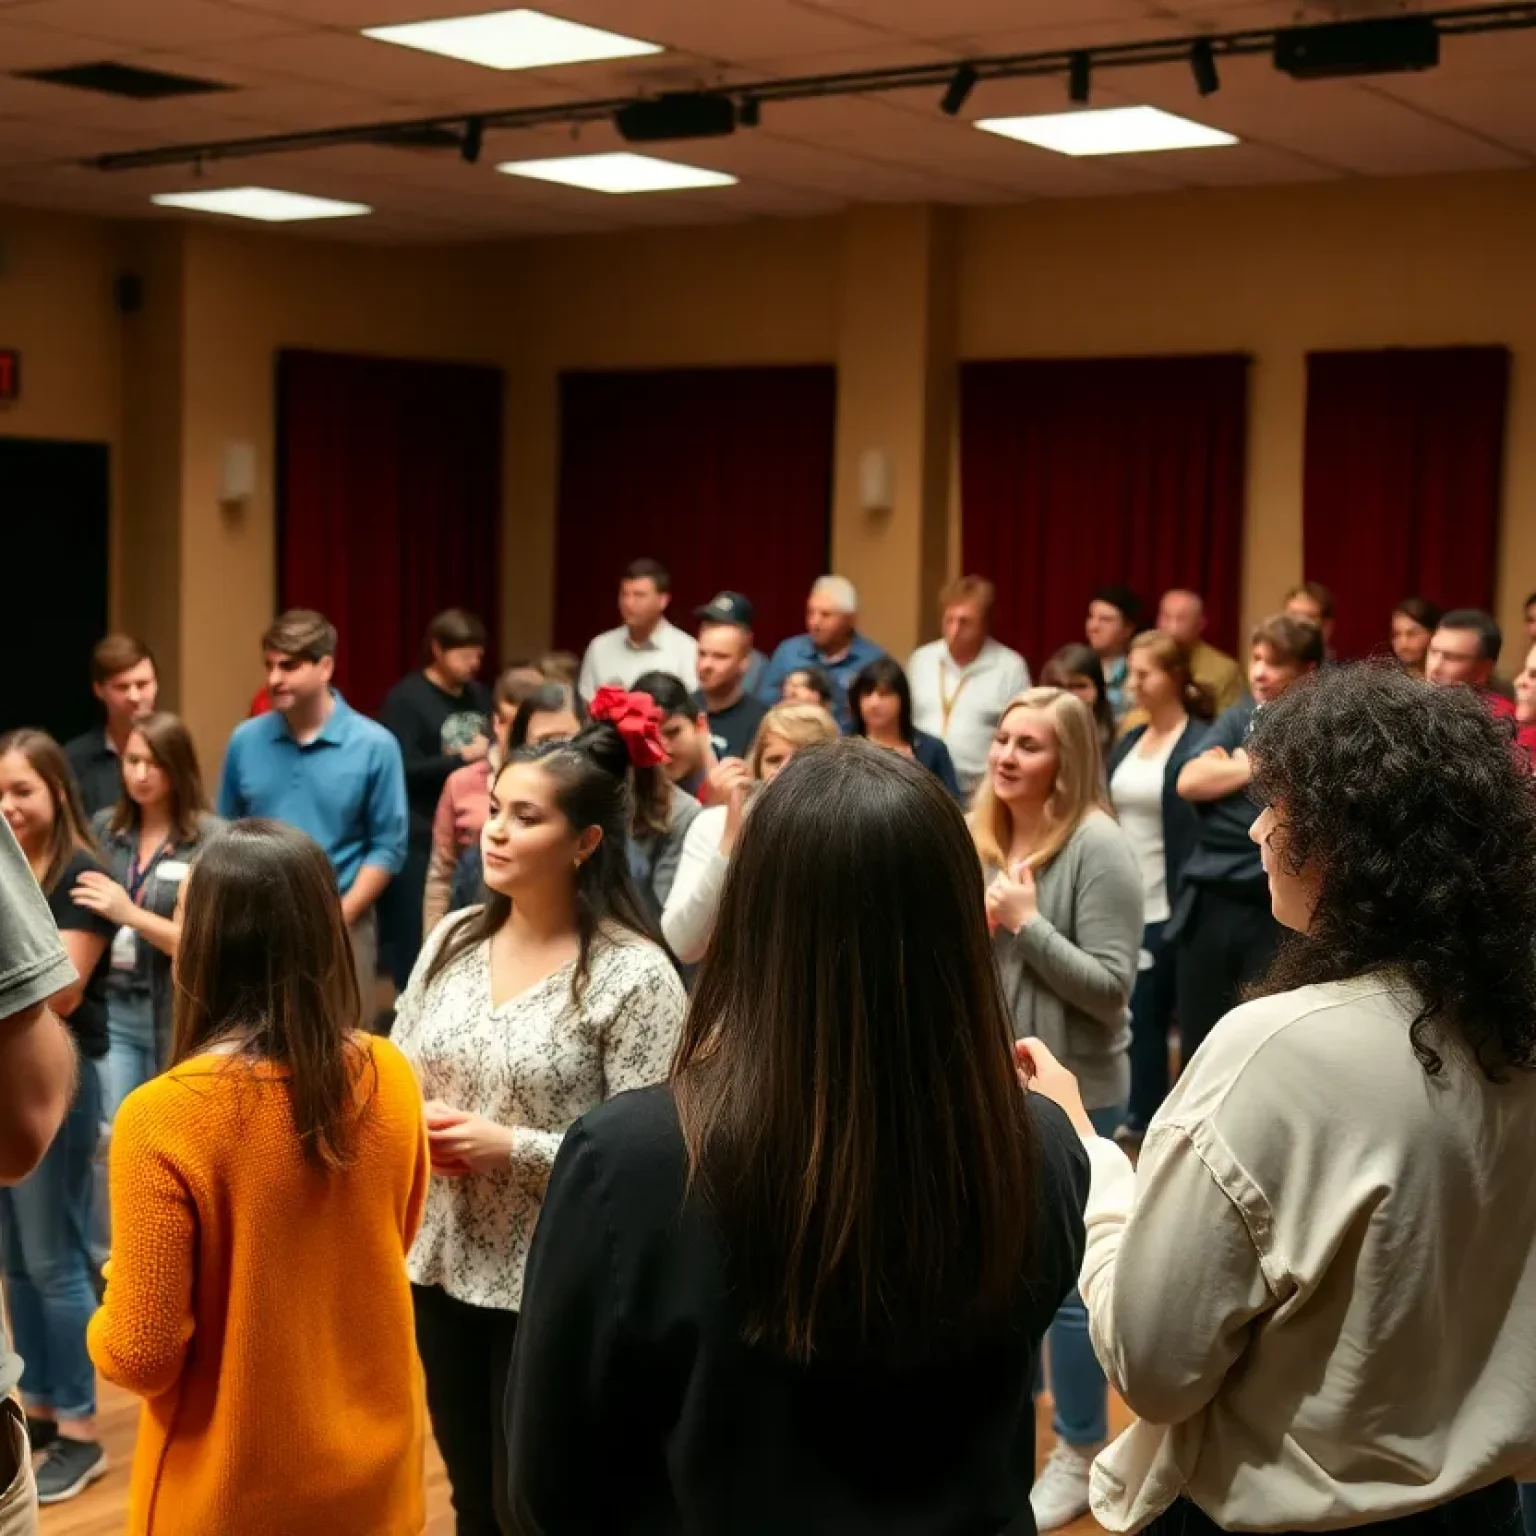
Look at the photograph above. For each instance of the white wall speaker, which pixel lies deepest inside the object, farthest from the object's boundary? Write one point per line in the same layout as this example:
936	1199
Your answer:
877	480
237	473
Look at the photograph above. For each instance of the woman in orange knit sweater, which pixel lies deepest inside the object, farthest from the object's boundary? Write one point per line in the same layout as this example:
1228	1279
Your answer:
265	1192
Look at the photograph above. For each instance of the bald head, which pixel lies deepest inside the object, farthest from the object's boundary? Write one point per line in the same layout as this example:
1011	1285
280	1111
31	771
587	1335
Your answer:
1182	615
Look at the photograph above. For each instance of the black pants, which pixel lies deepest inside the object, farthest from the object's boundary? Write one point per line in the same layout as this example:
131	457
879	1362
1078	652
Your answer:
1491	1511
467	1353
1224	944
1152	1005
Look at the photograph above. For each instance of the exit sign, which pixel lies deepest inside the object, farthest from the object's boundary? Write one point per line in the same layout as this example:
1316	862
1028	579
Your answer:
10	374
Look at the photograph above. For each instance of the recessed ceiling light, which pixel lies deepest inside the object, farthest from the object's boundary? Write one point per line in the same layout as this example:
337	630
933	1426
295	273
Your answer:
264	203
520	39
1110	131
618	172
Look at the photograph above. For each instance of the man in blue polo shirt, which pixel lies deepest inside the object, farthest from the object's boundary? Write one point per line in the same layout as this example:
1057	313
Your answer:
318	765
831	641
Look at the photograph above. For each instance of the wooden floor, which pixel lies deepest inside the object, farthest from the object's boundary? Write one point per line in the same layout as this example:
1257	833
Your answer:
102	1511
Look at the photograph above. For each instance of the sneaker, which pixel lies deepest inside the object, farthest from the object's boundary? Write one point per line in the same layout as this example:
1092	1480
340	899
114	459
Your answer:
1060	1494
41	1433
69	1468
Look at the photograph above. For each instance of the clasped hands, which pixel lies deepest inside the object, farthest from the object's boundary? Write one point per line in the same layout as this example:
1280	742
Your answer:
461	1143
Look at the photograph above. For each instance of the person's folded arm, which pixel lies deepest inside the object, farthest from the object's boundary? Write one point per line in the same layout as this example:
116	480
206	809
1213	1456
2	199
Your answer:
1214	778
140	1337
1172	1278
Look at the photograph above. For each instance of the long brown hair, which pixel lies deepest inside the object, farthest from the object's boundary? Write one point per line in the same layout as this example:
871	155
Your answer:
170	744
845	1080
71	830
1170	656
265	964
1077	793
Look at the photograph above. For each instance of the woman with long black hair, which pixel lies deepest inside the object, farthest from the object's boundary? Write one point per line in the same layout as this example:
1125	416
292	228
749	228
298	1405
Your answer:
1318	1288
522	1015
791	1291
880	707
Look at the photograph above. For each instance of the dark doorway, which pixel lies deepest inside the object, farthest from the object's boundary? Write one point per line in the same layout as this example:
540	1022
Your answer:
55	504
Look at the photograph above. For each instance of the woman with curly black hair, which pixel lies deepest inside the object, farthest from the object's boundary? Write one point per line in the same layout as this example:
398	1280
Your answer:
1319	1288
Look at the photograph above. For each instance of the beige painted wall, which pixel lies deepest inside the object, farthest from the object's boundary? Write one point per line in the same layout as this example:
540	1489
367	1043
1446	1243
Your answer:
891	295
246	298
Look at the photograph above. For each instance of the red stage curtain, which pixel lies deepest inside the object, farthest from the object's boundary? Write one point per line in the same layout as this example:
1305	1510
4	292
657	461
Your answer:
389	504
722	474
1404	470
1079	473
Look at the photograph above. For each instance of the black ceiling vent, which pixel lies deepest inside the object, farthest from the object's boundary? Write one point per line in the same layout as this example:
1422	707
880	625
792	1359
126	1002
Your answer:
109	79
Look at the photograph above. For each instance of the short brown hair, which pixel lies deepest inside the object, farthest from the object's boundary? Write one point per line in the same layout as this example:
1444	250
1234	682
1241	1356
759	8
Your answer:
560	667
455	627
968	589
116	653
649	570
301	632
517	683
1318	593
1294	640
170	744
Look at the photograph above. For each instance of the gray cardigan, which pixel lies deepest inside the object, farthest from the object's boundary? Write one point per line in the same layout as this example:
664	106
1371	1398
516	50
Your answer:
1068	975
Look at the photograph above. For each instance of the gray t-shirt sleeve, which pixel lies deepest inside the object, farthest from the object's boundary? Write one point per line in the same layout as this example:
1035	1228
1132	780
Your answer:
33	964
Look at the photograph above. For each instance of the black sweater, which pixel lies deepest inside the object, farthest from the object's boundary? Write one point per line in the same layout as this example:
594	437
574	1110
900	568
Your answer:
635	1408
433	727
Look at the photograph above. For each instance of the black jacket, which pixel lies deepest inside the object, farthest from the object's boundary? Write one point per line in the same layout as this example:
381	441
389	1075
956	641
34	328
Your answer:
1181	825
635	1407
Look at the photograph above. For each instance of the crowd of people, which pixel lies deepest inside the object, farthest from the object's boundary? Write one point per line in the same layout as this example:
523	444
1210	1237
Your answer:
690	1159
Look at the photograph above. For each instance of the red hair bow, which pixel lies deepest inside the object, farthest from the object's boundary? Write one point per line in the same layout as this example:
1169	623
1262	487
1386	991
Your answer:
637	718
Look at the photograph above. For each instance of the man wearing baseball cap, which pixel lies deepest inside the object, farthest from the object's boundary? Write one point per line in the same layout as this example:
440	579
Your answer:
726	661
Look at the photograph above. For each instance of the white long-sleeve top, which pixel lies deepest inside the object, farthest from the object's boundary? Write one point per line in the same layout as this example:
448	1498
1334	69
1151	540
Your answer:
1318	1288
688	919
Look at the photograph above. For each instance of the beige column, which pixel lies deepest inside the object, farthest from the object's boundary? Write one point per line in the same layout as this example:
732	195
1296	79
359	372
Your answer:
896	395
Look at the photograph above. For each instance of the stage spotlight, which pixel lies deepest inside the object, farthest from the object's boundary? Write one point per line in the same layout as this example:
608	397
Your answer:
472	142
1202	65
749	112
1078	69
958	91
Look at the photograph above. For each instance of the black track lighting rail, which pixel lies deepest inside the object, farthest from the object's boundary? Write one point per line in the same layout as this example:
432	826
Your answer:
1073	64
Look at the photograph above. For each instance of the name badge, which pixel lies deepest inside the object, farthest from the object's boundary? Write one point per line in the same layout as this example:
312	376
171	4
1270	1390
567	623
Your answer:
125	949
173	871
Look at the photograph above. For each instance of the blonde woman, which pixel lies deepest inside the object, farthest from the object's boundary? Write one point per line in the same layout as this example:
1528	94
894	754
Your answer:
688	919
1064	900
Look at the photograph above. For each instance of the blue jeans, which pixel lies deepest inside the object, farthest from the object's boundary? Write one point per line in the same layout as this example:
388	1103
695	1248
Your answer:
1079	1391
1528	1507
131	1059
45	1227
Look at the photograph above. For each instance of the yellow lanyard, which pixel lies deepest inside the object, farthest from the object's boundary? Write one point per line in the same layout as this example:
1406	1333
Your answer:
947	700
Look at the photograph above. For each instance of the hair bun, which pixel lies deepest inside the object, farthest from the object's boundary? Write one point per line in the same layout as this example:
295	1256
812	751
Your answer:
602	742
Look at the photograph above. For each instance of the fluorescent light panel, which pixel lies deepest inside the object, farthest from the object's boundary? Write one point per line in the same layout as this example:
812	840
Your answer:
520	39
618	172
264	203
1108	131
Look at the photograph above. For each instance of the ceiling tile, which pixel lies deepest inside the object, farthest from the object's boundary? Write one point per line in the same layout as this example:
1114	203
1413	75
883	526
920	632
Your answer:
151	23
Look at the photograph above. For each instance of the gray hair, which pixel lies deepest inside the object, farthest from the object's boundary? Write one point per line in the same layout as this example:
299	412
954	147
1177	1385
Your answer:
839	591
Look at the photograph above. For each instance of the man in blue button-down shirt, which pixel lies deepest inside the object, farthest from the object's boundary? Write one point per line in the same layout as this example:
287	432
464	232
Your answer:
318	765
832	642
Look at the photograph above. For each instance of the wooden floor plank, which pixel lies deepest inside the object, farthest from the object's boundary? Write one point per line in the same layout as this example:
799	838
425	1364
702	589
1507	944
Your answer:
102	1511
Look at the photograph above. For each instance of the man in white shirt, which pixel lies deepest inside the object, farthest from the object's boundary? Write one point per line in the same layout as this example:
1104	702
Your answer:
962	683
645	641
